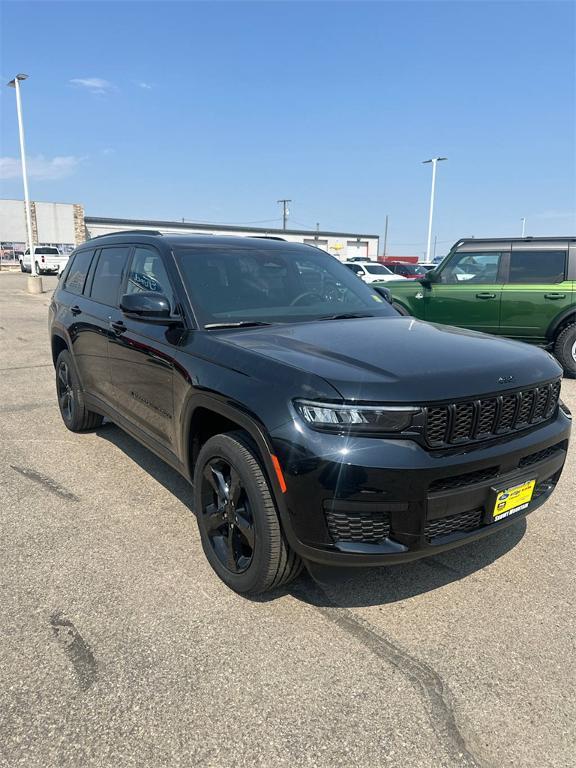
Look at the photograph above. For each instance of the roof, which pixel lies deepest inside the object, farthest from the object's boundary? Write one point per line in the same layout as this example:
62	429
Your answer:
203	226
554	239
143	235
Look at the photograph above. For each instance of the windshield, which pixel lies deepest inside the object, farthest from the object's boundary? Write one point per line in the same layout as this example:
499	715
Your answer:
377	269
282	284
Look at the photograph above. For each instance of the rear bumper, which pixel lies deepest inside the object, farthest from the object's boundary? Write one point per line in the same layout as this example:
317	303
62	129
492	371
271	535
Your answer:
366	501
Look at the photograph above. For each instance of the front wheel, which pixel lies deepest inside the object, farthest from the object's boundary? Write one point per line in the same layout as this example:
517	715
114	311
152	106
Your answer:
74	413
239	526
22	267
565	349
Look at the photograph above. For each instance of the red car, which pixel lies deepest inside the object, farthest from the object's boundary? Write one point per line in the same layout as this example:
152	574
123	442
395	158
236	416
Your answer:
411	271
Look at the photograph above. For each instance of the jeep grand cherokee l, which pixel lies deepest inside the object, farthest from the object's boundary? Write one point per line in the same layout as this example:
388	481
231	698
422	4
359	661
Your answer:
314	422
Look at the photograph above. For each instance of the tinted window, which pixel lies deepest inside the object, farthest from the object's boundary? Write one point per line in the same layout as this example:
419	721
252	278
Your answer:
47	250
355	268
108	275
148	273
377	269
76	274
472	267
284	284
537	266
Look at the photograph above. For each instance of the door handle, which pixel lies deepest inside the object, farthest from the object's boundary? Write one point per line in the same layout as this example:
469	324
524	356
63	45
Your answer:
485	295
554	295
75	310
118	327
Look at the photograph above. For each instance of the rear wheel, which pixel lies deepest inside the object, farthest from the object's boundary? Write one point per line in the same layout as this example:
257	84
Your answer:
37	269
400	309
565	349
239	526
74	413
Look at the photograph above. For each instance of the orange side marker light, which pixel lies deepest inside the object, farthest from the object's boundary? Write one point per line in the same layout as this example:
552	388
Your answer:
279	475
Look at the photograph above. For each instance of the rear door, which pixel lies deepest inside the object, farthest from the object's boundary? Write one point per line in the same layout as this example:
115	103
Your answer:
102	290
537	290
468	291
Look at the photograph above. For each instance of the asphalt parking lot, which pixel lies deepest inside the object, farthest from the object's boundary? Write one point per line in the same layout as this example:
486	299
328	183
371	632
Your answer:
119	647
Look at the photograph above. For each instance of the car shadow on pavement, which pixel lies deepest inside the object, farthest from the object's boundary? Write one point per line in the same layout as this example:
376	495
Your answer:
358	587
345	587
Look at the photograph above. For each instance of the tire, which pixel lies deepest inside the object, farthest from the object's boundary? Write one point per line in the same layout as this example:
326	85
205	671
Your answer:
565	349
22	267
37	269
74	413
251	556
400	309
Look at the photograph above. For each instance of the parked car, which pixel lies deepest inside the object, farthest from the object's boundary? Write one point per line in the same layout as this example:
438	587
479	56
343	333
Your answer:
409	271
315	423
47	259
521	288
371	271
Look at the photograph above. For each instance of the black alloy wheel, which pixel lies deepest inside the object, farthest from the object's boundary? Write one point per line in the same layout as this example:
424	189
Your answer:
74	413
227	516
238	521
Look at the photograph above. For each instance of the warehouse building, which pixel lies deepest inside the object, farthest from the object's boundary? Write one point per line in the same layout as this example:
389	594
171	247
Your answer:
66	225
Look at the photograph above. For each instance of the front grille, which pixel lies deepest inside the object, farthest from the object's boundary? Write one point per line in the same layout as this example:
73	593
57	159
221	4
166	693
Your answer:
461	481
367	527
465	521
535	458
474	420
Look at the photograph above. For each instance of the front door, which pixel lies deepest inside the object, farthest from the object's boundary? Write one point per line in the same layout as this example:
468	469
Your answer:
467	292
536	292
142	354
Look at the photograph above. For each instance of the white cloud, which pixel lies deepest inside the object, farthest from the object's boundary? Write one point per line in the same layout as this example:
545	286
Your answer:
40	167
94	84
146	86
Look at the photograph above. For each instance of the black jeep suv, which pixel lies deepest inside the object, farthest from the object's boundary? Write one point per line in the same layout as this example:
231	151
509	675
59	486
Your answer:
314	422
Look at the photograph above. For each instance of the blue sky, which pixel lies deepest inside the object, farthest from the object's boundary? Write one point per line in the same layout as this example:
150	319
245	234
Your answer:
213	111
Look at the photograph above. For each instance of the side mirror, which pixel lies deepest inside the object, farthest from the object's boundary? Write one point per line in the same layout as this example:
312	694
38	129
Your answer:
147	305
384	292
431	277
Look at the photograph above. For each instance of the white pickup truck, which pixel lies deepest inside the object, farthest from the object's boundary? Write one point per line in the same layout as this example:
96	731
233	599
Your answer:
47	258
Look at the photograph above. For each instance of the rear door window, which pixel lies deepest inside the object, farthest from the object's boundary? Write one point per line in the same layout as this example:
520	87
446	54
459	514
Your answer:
108	275
76	274
537	267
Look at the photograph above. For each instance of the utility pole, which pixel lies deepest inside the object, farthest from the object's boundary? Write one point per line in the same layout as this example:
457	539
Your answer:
435	239
523	220
385	236
434	161
285	212
317	230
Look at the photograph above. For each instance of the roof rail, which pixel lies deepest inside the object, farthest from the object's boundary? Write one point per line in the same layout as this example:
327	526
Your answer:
130	232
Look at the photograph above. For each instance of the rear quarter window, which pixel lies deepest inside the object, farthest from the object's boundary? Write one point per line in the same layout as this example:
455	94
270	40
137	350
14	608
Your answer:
537	266
75	278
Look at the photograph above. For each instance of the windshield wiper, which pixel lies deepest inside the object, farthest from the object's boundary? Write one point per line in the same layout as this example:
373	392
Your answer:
346	316
239	324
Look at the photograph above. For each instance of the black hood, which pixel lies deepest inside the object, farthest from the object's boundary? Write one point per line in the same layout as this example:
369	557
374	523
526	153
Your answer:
400	359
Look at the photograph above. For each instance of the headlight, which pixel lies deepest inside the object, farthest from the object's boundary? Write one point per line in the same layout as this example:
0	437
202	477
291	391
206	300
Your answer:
349	418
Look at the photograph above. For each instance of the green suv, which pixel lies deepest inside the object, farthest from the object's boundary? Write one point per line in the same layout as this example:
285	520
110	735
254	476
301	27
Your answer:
521	288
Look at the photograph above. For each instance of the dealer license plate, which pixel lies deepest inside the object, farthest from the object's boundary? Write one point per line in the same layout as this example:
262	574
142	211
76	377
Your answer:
513	500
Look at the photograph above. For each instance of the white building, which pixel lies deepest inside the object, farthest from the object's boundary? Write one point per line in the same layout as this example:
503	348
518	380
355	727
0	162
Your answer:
65	225
343	245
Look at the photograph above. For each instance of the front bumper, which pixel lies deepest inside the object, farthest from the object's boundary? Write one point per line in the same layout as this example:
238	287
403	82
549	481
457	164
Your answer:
370	501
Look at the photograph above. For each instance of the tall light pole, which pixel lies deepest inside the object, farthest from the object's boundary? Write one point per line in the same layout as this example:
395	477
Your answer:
285	212
15	83
434	161
523	220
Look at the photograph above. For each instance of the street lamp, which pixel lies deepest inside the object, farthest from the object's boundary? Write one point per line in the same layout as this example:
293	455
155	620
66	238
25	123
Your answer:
523	220
15	83
434	161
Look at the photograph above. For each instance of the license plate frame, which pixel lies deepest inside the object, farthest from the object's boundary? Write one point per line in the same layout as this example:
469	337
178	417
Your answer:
508	501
